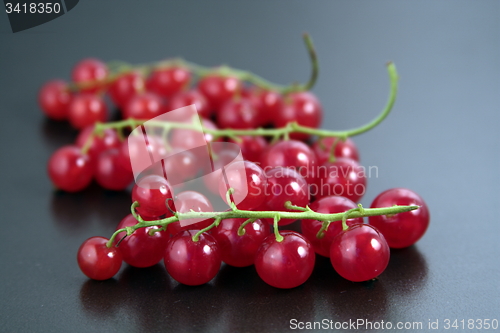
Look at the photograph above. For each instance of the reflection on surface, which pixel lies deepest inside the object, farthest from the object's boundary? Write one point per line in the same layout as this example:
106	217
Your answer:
56	134
407	270
71	211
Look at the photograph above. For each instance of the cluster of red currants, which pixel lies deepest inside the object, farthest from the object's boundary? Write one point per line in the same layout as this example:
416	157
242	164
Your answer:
294	174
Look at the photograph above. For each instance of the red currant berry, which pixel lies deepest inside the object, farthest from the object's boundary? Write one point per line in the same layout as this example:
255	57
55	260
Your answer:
192	263
284	185
303	108
97	261
168	81
251	147
69	169
185	98
180	166
270	103
186	139
132	149
237	114
108	140
218	89
54	98
404	229
239	251
110	172
185	202
292	154
86	109
141	249
344	177
327	205
285	264
359	253
346	149
248	182
91	74
212	179
144	106
125	87
152	192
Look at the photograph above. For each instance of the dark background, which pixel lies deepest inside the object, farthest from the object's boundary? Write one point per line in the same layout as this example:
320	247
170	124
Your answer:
441	141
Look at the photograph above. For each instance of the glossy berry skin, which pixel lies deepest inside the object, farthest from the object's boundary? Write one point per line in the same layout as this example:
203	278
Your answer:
110	173
192	263
251	147
327	205
360	253
69	169
185	98
239	251
91	72
404	229
284	184
132	149
144	106
152	192
180	166
125	87
303	108
141	249
291	154
168	81
286	264
97	261
344	149
189	139
54	98
237	114
267	103
218	89
86	109
344	177
249	183
185	202
108	140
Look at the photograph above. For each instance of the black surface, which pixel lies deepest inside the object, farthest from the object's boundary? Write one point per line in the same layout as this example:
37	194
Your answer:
441	141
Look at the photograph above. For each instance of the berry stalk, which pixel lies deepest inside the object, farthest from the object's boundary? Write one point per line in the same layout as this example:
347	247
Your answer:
118	68
307	213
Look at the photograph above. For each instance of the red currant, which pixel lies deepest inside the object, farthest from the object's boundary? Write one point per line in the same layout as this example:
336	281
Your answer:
192	263
185	98
347	149
91	74
141	249
251	147
168	81
248	182
218	89
327	205
54	98
125	87
285	264
186	139
404	229
291	154
97	261
69	169
86	109
152	193
184	203
344	177
359	253
110	172
144	106
108	140
239	251
303	108
284	185
237	114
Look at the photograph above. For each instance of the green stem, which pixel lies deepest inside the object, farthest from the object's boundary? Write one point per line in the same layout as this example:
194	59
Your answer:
276	215
118	68
270	132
